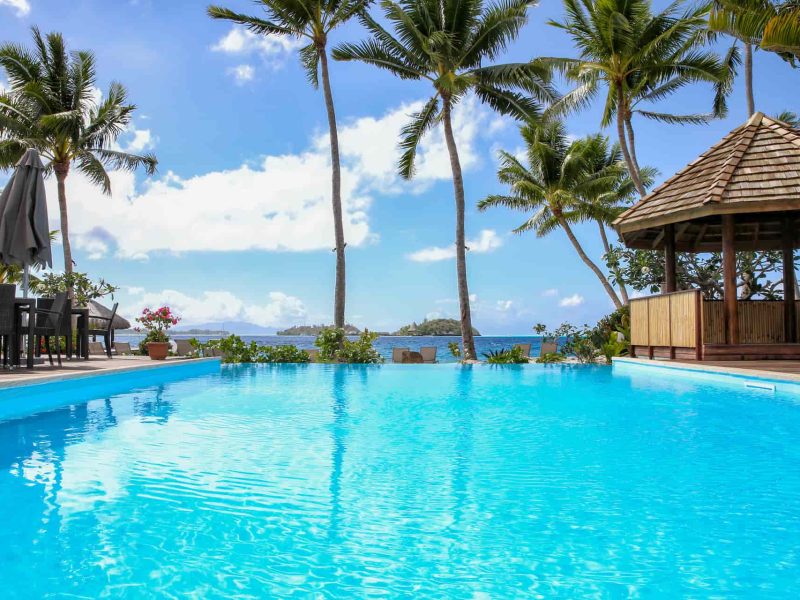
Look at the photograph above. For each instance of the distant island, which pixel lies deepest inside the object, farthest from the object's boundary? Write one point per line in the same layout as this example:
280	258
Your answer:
219	332
315	329
433	327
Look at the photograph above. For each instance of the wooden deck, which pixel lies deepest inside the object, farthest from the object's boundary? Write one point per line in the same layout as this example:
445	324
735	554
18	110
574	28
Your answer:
785	370
96	365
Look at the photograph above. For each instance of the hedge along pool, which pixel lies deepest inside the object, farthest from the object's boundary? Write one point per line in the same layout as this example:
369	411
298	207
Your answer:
403	480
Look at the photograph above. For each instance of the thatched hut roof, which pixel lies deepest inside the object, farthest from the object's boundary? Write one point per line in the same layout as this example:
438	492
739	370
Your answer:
753	172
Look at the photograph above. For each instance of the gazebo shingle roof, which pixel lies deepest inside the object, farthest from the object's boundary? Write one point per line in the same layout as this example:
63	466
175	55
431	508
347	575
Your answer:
753	170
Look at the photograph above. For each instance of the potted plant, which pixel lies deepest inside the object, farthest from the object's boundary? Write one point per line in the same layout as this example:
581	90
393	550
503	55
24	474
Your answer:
156	323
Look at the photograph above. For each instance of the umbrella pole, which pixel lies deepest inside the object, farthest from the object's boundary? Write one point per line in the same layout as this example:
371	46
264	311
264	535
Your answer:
26	276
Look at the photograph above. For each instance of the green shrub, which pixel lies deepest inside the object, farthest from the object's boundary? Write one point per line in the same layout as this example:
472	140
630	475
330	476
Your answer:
455	349
330	342
360	351
282	354
514	356
581	346
613	346
550	358
235	350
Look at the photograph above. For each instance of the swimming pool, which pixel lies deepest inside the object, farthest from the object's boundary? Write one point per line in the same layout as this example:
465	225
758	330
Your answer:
401	480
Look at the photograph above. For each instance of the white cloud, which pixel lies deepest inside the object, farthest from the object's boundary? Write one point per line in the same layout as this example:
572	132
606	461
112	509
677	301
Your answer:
218	305
486	241
271	48
574	300
504	305
21	7
142	140
364	142
278	203
550	293
242	73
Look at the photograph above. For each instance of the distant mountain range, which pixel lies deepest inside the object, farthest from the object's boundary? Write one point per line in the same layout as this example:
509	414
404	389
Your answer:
237	327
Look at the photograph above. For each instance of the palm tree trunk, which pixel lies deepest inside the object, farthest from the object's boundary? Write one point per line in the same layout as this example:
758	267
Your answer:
62	170
336	194
748	79
461	249
588	261
623	291
634	172
632	145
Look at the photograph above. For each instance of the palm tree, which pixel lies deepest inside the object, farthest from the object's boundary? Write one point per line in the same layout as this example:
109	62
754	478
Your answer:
607	193
313	21
639	57
563	183
447	43
51	107
758	23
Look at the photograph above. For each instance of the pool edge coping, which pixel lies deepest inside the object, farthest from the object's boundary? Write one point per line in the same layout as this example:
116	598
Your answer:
70	376
737	372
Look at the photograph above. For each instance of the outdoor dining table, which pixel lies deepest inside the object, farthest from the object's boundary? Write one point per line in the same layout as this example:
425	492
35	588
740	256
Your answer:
28	305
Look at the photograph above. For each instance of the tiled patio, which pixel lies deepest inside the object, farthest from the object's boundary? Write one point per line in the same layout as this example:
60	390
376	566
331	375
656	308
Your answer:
96	365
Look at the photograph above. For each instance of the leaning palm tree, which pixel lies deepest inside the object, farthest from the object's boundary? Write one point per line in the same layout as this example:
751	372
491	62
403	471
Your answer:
51	106
559	177
638	57
758	23
607	192
312	21
447	43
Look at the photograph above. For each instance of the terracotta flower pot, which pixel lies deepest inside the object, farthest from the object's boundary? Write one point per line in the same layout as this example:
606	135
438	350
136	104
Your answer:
157	350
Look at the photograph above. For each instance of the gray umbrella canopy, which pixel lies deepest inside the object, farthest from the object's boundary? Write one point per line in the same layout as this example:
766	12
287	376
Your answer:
24	233
98	310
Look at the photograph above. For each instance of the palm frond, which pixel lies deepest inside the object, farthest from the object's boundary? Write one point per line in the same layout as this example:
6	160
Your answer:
412	134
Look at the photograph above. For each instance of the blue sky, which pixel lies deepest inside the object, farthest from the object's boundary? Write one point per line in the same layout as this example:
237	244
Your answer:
236	224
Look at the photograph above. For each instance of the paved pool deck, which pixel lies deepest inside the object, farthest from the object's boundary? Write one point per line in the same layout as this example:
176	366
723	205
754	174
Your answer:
783	370
96	365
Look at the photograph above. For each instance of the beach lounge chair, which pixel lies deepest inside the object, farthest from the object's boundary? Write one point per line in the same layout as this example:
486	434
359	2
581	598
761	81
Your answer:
183	348
96	348
548	348
526	349
428	354
123	348
397	354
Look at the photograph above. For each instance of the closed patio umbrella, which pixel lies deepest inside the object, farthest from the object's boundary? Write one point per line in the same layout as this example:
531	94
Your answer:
24	233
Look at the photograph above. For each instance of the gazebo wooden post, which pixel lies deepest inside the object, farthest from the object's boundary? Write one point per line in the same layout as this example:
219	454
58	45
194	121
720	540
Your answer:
670	279
729	279
789	282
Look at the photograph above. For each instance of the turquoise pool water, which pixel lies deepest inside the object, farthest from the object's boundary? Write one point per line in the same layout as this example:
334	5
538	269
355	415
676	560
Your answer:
401	481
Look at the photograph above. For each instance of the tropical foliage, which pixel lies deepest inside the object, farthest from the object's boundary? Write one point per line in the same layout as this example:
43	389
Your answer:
83	288
311	21
334	346
638	57
235	350
451	45
563	182
51	106
511	356
759	274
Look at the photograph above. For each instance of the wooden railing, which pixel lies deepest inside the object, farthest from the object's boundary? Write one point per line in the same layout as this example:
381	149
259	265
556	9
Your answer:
670	321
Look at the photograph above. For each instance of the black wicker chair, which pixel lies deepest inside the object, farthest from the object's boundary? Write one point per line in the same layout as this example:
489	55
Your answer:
50	323
104	327
8	326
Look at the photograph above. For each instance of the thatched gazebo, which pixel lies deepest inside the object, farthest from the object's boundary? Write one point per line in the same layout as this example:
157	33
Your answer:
741	194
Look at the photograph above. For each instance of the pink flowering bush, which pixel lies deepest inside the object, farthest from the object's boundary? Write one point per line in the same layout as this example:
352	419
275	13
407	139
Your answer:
156	323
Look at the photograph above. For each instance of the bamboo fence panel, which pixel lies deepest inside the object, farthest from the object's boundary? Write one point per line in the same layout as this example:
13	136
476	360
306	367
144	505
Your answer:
760	322
668	320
